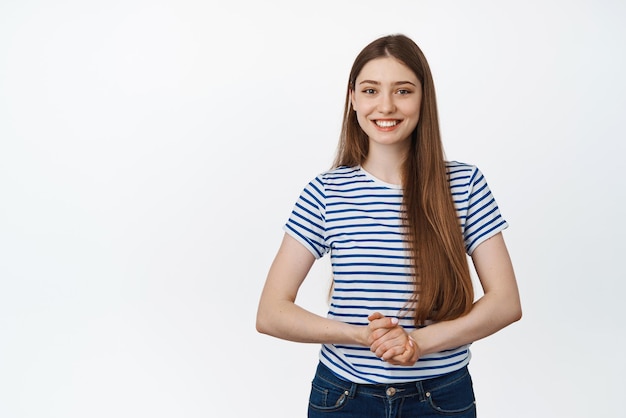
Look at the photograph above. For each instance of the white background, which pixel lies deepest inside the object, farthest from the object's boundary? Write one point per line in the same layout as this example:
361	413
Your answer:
150	152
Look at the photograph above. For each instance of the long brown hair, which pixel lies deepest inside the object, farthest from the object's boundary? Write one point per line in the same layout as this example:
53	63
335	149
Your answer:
443	285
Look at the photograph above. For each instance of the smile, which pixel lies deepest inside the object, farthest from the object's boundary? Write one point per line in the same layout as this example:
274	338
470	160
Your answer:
386	123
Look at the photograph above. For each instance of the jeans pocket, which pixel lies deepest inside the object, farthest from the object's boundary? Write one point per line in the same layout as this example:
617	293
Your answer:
327	397
454	399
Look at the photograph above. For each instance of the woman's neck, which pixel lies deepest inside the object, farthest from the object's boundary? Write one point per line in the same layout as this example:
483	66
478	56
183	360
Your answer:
385	163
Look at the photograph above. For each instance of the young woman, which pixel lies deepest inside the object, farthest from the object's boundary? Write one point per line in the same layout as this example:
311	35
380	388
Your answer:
398	221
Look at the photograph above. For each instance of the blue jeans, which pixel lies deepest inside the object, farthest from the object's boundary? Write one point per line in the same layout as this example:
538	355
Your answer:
450	395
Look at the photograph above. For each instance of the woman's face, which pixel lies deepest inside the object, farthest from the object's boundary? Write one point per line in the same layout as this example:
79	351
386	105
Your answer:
387	97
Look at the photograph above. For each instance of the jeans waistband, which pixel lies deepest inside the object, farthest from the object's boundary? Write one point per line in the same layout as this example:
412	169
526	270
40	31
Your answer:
389	390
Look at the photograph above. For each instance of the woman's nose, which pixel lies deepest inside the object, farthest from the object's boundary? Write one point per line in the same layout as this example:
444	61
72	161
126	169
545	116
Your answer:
386	104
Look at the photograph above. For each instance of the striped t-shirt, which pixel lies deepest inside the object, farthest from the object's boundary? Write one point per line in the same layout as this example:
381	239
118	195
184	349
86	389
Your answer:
358	219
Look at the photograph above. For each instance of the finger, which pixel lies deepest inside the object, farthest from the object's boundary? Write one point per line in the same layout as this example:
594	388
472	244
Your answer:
395	346
409	356
402	359
416	350
384	322
395	353
385	334
376	337
402	349
375	315
380	336
381	339
385	338
391	347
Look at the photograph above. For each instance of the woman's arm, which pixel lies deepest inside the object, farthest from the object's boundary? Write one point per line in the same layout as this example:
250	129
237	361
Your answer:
497	308
279	316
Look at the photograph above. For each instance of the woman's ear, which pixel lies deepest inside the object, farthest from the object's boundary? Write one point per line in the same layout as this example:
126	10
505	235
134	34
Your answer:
352	102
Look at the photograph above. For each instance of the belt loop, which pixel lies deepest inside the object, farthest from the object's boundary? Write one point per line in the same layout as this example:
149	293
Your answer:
352	391
420	390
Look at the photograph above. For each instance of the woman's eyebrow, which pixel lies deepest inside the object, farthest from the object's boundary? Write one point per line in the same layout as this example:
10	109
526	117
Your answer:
377	83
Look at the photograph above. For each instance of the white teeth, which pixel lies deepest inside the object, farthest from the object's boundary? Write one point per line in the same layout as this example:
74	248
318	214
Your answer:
386	123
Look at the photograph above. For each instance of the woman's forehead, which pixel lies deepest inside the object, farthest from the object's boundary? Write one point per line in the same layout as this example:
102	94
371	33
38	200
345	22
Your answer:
386	69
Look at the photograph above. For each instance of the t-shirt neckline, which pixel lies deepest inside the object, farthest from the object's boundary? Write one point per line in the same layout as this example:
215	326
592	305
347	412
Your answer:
379	181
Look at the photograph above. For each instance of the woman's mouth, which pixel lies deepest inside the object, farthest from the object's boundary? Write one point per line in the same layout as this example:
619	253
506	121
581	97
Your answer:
386	123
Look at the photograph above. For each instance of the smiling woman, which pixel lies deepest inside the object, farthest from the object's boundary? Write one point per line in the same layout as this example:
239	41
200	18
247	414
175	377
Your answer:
398	221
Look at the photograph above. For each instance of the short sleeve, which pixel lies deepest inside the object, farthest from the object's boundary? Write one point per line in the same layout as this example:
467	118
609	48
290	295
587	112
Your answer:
307	220
482	218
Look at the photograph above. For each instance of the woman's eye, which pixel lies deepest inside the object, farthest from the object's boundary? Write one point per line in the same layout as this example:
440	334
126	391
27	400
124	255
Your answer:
369	91
403	91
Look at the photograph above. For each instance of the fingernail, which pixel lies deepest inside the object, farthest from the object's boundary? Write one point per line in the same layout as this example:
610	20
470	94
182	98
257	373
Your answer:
394	321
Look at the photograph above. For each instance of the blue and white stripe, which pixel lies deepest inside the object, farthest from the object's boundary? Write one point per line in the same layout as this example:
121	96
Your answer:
358	219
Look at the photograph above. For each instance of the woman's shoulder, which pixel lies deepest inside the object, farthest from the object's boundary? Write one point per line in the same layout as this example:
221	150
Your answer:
455	165
461	175
340	174
459	169
335	177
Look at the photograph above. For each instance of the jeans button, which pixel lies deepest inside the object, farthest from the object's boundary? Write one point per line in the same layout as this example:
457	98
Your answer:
391	391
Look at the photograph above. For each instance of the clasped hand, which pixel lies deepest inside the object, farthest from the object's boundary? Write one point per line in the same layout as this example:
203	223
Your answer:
390	341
